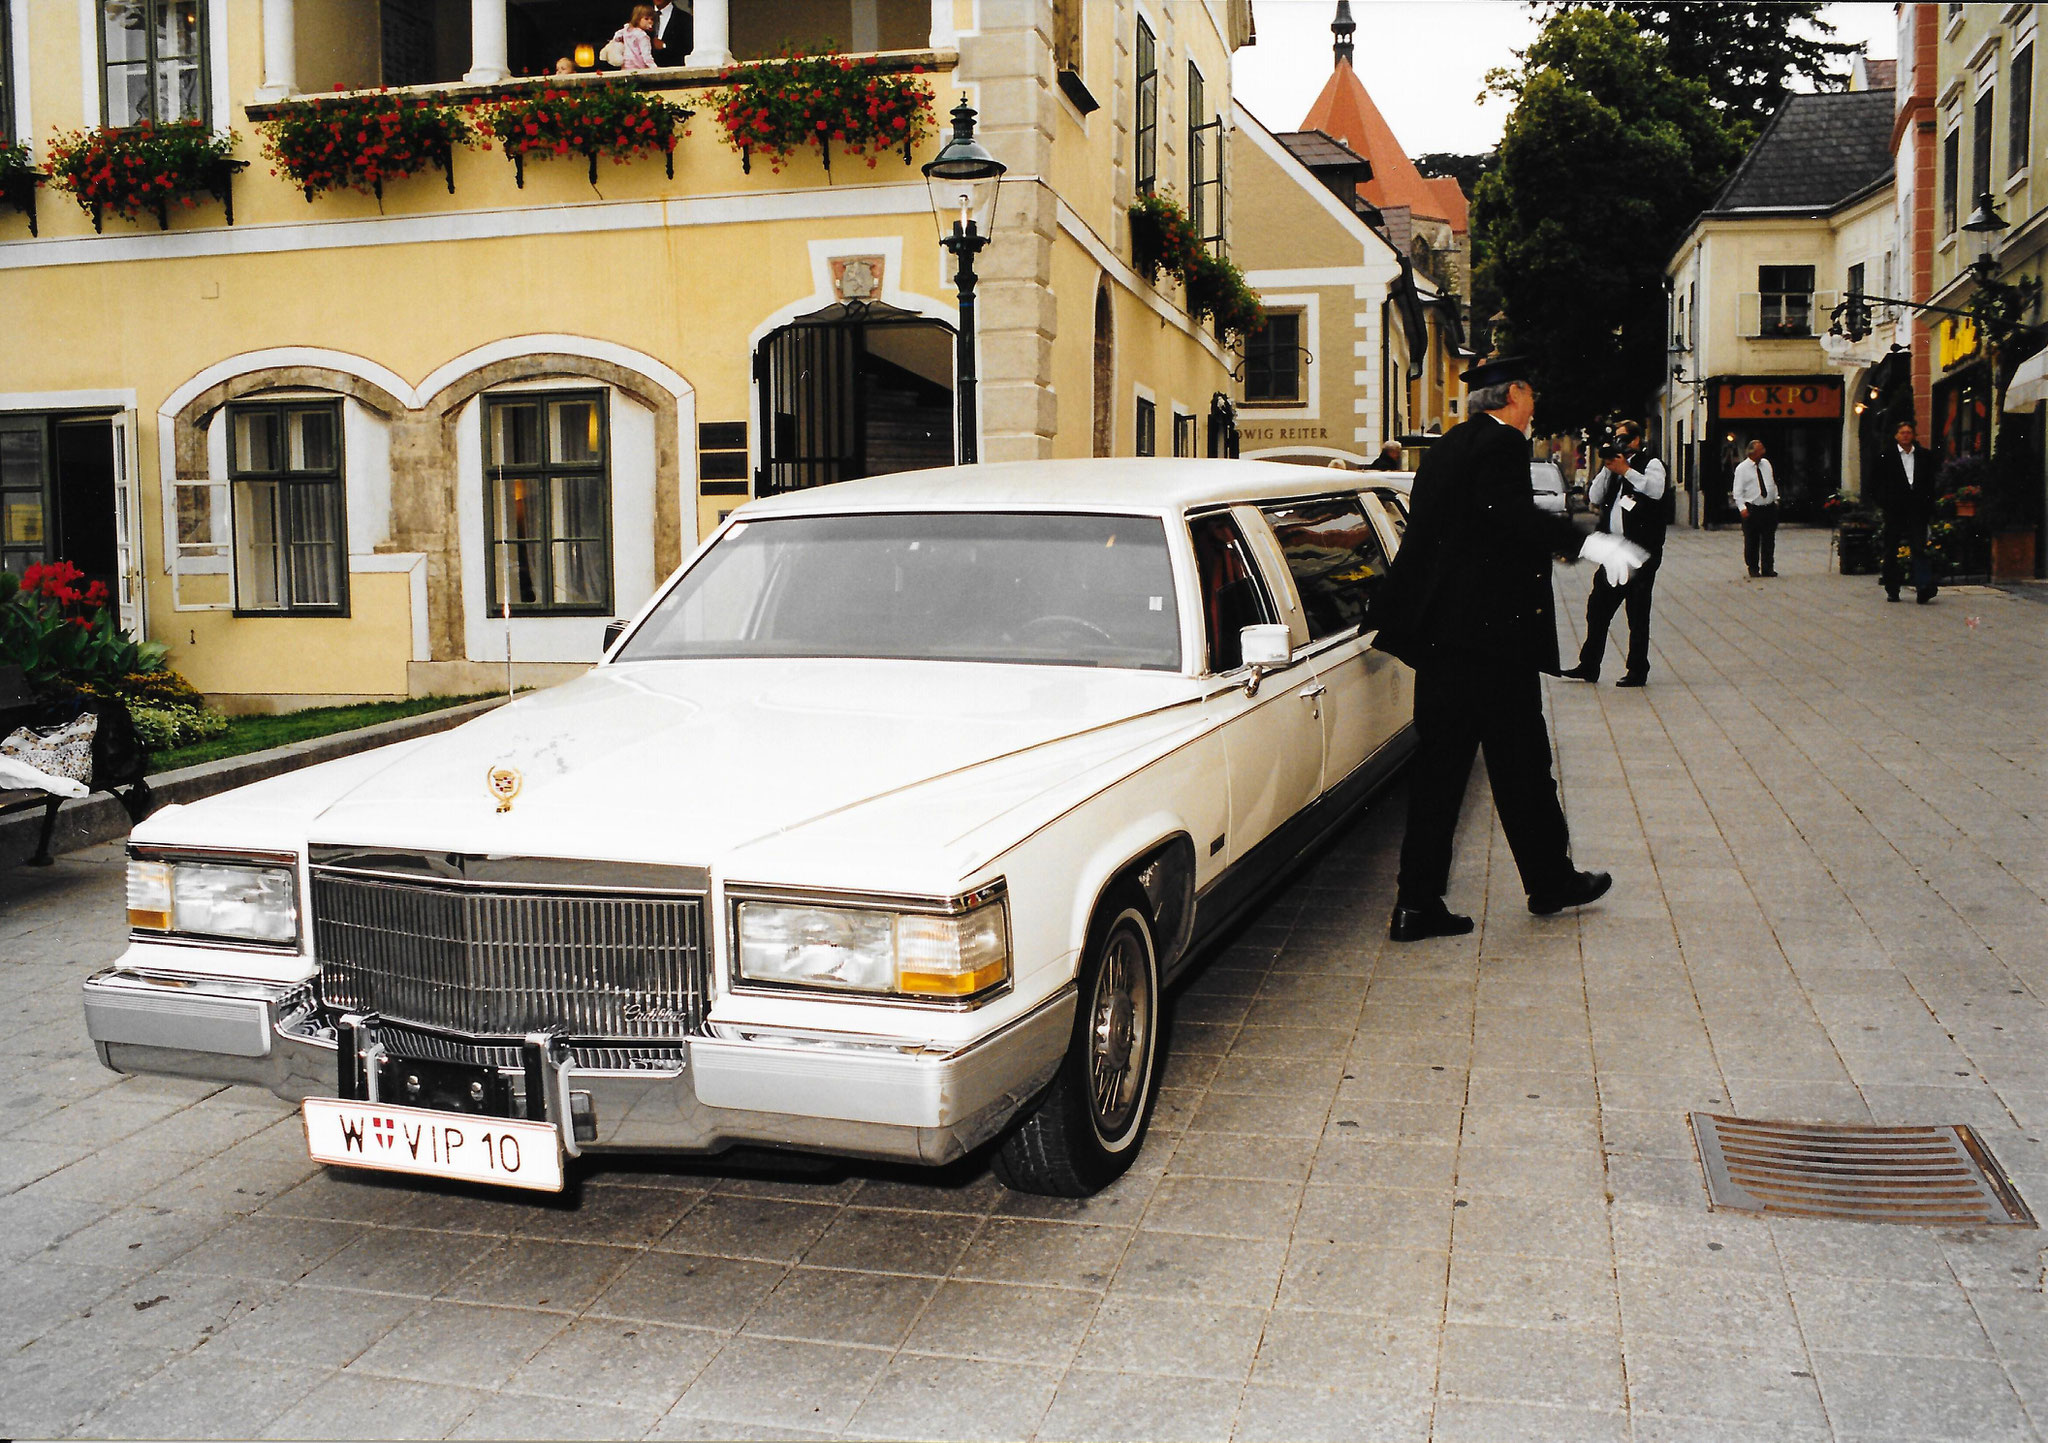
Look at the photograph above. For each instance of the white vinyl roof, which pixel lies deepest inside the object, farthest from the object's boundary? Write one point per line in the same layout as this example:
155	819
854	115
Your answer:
1127	485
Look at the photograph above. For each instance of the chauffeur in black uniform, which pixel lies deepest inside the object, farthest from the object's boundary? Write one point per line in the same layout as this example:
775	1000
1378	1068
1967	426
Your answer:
1467	605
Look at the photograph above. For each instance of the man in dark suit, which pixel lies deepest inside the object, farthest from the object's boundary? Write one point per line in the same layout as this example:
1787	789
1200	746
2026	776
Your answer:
1467	604
672	32
1905	485
1628	493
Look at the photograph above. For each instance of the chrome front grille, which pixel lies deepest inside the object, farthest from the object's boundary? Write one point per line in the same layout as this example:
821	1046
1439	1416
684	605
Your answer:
479	960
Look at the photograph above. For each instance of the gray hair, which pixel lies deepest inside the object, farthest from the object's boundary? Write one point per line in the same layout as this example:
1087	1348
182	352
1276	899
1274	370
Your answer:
1489	398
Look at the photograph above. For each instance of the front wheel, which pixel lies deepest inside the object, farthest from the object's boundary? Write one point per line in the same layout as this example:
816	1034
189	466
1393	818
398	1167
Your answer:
1087	1127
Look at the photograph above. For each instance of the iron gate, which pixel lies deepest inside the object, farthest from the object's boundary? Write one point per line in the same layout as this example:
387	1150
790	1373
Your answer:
831	410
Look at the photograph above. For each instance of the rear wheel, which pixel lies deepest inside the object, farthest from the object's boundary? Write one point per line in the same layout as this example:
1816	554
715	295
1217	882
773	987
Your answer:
1087	1128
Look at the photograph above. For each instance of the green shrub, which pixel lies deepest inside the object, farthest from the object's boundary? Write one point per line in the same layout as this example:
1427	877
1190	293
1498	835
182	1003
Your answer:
161	728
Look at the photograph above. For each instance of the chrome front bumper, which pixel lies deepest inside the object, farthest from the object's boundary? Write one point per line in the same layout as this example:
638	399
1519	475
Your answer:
887	1098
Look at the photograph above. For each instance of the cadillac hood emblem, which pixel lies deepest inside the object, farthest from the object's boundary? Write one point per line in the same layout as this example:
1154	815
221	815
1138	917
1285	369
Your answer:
505	783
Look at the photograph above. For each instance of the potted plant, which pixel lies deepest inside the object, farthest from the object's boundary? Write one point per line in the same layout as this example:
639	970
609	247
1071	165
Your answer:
145	167
19	178
357	142
612	117
1217	290
1855	534
780	106
1163	239
1966	499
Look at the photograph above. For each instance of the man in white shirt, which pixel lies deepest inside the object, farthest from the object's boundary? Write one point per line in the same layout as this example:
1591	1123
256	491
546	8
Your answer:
1756	497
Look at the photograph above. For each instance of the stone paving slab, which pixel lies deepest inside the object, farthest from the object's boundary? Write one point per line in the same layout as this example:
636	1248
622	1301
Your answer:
1438	1192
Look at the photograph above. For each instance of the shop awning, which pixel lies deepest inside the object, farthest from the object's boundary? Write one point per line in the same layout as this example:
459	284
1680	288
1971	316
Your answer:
2029	387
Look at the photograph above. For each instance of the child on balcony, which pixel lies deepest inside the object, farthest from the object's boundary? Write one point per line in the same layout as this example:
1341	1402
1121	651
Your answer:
633	47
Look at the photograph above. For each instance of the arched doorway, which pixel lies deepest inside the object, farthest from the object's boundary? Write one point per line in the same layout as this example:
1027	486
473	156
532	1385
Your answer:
1105	372
855	389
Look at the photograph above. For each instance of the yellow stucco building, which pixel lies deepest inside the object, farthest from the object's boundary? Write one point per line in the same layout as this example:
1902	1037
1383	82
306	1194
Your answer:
320	449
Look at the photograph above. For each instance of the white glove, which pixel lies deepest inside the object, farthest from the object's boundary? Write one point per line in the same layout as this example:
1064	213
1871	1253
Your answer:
1616	555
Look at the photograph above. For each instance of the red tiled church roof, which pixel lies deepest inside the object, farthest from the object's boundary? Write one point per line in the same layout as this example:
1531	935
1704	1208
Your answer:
1347	112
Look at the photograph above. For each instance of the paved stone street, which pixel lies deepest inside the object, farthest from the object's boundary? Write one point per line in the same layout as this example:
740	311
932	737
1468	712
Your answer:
1443	1191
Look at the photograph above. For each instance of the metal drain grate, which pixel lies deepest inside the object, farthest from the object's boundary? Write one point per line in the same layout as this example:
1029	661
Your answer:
1938	1175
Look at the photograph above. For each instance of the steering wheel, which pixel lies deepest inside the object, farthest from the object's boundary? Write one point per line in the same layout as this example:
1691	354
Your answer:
1057	623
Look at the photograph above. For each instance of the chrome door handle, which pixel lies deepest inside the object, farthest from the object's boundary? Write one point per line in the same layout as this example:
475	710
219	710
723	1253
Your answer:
1310	693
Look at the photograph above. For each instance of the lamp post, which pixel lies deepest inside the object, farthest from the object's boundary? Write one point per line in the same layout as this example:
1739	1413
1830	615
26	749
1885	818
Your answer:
964	179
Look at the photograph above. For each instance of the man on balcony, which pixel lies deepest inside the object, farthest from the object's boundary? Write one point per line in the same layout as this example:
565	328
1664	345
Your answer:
673	23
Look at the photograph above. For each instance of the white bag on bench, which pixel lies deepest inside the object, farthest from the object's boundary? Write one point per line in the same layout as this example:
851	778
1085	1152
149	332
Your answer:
59	760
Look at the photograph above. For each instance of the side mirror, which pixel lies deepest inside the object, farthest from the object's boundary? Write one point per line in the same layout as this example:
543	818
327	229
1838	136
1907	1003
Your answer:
1265	648
612	631
1266	645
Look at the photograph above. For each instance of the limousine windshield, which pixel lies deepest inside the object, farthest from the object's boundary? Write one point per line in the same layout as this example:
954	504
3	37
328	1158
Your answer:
1040	588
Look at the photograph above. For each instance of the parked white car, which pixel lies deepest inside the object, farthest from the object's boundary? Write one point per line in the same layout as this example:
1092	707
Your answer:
1547	482
878	833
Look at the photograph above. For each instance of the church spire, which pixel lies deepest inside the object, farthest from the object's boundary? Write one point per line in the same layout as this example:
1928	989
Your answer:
1342	27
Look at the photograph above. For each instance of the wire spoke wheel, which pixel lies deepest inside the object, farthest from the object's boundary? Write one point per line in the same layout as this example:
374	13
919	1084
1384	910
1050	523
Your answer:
1089	1123
1121	1016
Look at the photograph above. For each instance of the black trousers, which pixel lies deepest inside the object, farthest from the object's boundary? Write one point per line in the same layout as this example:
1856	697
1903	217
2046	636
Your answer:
1760	540
1462	708
1913	536
1604	600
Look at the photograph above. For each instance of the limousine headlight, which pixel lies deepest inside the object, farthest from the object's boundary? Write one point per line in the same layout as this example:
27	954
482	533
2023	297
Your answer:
938	955
240	901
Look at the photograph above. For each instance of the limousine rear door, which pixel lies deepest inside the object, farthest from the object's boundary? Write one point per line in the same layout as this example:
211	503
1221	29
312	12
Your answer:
1272	724
1338	560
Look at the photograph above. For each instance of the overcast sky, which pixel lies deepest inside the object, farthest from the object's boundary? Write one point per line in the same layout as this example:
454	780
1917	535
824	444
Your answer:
1425	61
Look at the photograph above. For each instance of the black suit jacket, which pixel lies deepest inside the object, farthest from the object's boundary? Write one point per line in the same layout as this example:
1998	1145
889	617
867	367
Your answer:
1472	579
1905	505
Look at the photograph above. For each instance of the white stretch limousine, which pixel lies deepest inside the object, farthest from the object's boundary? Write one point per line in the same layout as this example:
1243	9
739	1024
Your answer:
877	833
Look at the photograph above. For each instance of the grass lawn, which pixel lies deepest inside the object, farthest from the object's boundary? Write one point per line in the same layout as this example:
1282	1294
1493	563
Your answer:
256	733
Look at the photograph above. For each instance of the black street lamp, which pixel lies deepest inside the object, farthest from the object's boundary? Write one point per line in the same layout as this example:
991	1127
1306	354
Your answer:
964	179
1998	308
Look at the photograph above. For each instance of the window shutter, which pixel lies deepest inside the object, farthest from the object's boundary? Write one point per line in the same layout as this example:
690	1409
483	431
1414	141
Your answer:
127	527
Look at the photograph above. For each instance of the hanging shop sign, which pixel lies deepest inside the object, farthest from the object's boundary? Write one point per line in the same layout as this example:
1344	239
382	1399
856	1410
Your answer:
1957	343
1780	400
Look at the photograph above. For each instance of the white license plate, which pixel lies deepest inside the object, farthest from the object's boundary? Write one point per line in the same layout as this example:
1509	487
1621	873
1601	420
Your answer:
501	1150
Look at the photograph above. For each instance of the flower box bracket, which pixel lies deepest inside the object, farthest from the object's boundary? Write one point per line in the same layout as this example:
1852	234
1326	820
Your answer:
216	180
440	157
18	189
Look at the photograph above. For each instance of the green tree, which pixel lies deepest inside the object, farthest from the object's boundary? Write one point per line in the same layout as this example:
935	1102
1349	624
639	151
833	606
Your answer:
1605	159
1748	55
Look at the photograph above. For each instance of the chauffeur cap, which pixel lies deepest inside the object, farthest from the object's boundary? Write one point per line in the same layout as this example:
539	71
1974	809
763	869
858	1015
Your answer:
1500	371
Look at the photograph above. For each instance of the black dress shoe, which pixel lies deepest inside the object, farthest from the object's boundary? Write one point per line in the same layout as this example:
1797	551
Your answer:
1581	672
1926	596
1891	596
1413	924
1635	678
1584	887
1768	573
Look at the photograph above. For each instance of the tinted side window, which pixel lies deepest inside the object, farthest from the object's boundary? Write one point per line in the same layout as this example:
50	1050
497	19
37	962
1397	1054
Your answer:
1336	558
1233	597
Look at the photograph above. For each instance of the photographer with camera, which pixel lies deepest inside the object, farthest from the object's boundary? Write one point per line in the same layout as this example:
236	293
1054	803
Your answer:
1628	493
